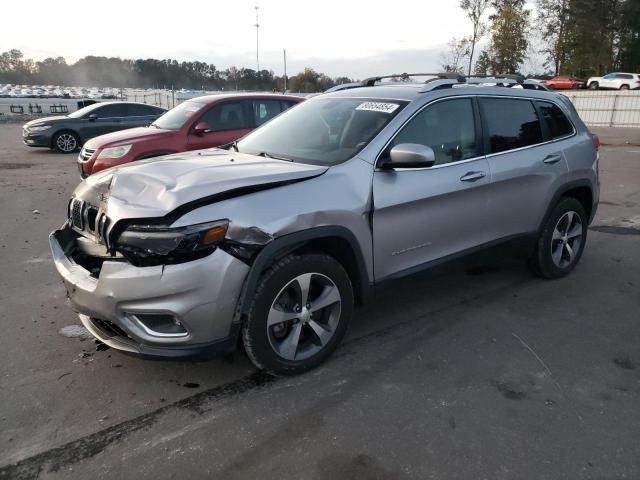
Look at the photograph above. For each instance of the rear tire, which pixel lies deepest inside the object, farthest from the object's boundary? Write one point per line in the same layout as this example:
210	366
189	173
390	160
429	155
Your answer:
624	87
288	331
562	240
66	142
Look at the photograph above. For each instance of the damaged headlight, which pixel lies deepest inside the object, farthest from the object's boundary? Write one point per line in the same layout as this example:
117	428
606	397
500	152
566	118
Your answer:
147	245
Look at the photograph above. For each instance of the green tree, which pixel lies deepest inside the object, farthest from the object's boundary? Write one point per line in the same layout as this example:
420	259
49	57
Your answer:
475	10
509	30
551	22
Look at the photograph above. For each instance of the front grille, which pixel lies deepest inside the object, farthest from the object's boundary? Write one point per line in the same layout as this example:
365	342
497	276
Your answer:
76	214
90	219
86	154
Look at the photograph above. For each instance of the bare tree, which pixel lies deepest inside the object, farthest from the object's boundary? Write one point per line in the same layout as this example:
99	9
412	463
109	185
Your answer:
453	59
475	10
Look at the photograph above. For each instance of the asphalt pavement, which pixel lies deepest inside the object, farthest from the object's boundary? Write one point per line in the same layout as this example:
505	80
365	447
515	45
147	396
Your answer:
480	371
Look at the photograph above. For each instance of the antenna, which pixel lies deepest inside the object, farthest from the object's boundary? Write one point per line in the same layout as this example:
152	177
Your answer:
257	25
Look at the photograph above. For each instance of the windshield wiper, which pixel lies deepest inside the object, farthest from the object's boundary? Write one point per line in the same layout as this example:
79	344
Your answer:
275	157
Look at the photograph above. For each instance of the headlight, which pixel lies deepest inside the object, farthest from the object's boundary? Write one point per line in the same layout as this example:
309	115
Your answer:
115	152
147	245
39	128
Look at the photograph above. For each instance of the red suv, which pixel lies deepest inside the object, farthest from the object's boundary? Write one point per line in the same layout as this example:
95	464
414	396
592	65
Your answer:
202	122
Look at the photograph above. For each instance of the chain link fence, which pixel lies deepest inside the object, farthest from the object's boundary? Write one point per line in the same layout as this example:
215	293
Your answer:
596	108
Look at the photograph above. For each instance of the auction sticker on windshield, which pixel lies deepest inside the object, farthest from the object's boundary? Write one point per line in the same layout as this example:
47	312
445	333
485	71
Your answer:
378	107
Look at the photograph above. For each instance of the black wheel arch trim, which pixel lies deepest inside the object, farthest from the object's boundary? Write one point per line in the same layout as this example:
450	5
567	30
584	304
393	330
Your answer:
560	193
287	243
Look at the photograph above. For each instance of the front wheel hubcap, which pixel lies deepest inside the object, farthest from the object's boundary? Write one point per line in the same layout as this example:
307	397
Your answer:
66	142
304	316
566	239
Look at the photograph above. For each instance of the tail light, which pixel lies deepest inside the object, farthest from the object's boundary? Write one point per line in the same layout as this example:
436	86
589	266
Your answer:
596	141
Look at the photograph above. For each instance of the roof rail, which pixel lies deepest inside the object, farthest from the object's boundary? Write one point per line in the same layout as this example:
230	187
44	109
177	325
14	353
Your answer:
370	82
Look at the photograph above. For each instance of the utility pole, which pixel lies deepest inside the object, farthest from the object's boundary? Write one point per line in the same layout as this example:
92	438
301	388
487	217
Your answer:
284	51
257	25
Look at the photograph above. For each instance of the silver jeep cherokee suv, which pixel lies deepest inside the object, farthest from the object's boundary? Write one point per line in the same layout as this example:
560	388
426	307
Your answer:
275	239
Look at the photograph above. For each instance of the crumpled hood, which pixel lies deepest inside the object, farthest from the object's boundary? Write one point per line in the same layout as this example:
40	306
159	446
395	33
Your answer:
156	187
125	136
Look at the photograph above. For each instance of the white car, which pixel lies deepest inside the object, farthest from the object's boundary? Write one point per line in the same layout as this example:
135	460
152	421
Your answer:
615	81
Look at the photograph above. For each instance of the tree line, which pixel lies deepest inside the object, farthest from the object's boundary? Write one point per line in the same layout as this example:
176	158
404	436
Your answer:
152	73
578	37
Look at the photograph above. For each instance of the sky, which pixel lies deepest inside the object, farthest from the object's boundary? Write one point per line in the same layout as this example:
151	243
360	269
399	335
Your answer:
351	38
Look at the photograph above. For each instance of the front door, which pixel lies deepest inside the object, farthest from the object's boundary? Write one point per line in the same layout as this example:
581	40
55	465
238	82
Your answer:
424	215
225	122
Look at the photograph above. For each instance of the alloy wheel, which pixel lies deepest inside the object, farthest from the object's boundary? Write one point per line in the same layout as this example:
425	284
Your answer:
304	316
66	142
566	239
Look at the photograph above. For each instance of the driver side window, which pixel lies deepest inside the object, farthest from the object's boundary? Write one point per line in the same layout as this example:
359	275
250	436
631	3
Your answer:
448	127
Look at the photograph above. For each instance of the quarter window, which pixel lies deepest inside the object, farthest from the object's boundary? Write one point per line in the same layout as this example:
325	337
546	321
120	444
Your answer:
555	119
448	127
511	123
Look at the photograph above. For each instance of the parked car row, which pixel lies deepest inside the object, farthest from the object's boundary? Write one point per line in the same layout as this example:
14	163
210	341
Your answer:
271	241
57	91
610	81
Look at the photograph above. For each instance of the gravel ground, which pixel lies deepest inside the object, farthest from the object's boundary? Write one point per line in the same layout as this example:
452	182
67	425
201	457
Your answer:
480	371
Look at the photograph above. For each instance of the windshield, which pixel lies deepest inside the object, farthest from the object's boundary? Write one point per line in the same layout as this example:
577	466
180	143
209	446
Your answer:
85	111
322	131
177	116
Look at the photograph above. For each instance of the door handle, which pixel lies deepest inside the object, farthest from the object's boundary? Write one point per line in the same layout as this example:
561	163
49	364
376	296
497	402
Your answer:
472	176
551	159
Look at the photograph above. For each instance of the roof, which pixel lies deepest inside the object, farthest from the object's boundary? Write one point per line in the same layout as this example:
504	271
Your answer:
224	96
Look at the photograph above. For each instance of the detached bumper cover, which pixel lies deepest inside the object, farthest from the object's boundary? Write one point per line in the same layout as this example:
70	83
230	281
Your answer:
201	294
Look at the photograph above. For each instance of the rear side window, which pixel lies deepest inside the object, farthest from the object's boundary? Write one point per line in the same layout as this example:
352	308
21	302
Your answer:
448	127
624	76
265	110
511	123
110	111
284	104
142	110
555	120
225	116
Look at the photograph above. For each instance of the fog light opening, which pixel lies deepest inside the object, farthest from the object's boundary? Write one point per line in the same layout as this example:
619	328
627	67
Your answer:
160	324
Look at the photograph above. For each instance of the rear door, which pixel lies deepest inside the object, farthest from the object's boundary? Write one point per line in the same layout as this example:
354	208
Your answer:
226	121
422	215
527	166
140	115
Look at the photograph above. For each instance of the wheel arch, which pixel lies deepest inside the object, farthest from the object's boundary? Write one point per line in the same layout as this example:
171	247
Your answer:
336	241
581	190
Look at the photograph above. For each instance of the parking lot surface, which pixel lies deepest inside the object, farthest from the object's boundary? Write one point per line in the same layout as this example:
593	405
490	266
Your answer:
478	371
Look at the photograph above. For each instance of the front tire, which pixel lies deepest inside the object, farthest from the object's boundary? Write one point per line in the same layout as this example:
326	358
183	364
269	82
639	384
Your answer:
593	86
66	142
299	314
562	240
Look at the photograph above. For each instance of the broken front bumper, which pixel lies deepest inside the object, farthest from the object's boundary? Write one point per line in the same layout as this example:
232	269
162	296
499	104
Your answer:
200	296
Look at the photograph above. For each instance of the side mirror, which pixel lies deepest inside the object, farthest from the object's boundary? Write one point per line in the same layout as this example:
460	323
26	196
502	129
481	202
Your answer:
200	128
410	155
92	117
